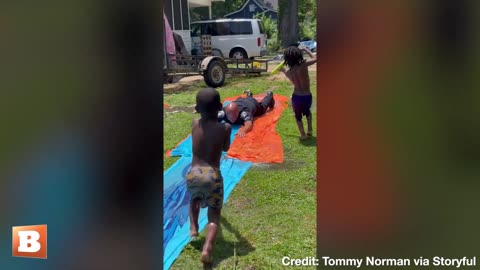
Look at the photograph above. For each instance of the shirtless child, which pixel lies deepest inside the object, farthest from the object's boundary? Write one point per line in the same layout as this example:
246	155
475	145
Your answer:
204	180
298	75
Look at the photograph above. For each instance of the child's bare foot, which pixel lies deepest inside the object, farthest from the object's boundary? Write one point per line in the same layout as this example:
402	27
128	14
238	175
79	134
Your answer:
193	230
206	258
309	134
303	138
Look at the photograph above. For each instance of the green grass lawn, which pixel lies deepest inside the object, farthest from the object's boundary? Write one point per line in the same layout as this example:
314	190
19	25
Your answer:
271	213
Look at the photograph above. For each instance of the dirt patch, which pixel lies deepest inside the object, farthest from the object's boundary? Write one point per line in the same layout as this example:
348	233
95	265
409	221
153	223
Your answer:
187	109
277	77
241	84
190	79
175	88
182	85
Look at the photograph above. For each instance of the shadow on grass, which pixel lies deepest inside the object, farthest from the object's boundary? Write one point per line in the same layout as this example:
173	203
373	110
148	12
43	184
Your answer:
312	141
225	249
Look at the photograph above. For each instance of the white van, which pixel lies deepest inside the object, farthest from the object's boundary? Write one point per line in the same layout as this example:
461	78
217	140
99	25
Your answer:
232	38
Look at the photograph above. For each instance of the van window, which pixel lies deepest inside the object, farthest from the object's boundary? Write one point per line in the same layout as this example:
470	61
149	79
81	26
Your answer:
210	29
207	29
241	28
222	28
195	32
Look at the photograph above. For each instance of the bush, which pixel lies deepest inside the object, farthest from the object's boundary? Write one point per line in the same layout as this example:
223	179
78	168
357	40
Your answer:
273	42
274	45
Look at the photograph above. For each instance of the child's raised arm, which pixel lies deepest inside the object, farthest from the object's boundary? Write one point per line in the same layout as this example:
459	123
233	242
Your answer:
311	62
313	56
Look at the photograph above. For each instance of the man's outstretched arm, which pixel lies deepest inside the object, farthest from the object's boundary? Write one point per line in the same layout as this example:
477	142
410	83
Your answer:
247	127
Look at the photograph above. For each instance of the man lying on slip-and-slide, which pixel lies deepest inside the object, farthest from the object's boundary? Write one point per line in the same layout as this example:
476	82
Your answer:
243	110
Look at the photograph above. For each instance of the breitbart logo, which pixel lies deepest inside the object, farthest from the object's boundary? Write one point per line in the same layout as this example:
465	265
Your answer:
29	241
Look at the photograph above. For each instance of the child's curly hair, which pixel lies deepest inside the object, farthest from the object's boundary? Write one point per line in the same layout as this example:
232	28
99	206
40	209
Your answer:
293	56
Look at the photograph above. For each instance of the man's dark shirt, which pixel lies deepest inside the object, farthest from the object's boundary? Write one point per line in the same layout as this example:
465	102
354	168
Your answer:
247	108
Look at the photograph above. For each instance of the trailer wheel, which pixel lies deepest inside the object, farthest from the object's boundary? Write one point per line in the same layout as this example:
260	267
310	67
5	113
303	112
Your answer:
215	74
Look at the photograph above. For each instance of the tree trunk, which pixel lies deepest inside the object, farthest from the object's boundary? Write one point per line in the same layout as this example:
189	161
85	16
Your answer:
288	28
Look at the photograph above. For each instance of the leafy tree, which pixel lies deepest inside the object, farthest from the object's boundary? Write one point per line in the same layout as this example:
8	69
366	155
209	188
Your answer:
271	29
307	17
220	9
269	24
297	20
198	14
288	26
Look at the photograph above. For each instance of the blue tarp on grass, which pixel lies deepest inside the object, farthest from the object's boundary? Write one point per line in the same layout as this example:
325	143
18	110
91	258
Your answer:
176	224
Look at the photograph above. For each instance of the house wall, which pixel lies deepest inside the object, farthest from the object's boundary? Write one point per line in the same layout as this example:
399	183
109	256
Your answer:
247	14
274	3
240	15
271	14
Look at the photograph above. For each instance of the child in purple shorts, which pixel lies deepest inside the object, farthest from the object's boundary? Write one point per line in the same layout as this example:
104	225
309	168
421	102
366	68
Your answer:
302	97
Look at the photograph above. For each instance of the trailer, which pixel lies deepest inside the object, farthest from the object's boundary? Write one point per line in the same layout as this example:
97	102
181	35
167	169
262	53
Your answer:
214	69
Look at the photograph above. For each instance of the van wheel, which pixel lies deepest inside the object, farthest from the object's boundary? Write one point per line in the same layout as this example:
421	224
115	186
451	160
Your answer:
215	74
238	53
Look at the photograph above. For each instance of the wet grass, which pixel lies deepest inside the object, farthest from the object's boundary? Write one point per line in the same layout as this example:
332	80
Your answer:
272	211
